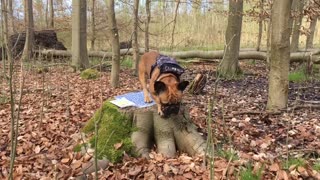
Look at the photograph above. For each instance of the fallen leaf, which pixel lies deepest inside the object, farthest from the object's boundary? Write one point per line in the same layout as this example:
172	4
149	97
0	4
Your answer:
37	149
135	171
166	168
65	160
118	145
274	167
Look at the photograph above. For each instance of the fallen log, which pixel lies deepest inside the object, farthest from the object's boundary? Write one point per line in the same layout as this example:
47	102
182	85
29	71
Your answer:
206	55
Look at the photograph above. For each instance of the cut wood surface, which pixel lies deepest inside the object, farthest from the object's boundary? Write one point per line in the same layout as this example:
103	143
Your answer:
206	55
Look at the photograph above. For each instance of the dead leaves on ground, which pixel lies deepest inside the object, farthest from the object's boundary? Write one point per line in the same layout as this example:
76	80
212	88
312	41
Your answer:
54	110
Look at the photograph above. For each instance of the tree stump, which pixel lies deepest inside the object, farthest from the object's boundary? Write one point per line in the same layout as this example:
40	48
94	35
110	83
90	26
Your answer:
168	134
145	128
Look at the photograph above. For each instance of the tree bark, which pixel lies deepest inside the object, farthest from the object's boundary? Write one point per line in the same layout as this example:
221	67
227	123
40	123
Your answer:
79	35
46	13
135	44
115	70
280	56
51	18
298	11
5	33
312	28
146	34
229	67
174	23
28	47
171	134
11	17
93	24
260	26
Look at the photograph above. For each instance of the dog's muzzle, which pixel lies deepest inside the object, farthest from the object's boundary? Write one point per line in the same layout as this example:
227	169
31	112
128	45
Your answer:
169	109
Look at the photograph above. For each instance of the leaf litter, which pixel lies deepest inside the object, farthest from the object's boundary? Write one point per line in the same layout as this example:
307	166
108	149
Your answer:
57	104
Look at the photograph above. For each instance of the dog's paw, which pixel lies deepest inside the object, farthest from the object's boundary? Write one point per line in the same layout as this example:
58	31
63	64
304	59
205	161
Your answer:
160	113
147	99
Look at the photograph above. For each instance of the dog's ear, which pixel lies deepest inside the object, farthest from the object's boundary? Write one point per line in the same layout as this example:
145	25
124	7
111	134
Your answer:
159	87
182	85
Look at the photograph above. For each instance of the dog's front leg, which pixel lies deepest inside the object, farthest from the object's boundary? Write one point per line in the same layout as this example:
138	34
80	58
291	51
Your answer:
159	110
143	82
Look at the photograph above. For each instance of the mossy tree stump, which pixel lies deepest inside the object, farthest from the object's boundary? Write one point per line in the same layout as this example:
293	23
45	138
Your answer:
145	128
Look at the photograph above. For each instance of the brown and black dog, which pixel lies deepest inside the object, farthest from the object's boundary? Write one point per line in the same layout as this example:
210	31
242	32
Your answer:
165	86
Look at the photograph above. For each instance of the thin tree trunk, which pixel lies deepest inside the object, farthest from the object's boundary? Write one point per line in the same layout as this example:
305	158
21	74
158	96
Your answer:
47	12
229	67
260	26
297	24
51	22
135	37
146	34
11	17
280	56
312	28
28	46
79	35
115	70
93	24
164	9
174	23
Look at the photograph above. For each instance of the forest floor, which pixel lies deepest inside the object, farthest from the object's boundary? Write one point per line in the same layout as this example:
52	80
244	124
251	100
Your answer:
249	142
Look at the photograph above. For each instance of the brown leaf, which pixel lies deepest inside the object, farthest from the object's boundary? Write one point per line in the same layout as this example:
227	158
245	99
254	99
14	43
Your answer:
135	171
65	160
37	149
76	164
188	175
118	145
149	176
166	168
274	167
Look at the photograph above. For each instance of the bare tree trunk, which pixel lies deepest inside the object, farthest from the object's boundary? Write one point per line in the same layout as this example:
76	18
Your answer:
47	12
11	17
280	56
115	70
51	22
28	46
93	24
135	37
260	26
146	34
174	23
164	9
79	35
312	28
5	34
298	12
229	67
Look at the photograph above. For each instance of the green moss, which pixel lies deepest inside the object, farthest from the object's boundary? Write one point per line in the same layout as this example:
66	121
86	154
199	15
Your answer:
89	74
114	128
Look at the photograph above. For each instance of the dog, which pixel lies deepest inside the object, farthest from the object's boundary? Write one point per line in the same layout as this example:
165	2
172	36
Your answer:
165	86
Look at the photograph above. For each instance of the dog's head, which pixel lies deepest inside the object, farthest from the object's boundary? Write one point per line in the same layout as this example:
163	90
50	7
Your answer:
169	93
